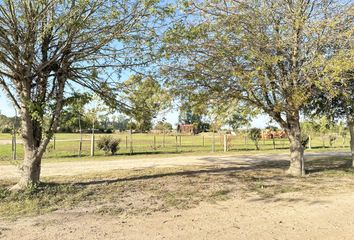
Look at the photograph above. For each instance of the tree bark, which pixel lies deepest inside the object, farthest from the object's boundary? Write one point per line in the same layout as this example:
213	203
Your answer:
296	167
351	130
34	149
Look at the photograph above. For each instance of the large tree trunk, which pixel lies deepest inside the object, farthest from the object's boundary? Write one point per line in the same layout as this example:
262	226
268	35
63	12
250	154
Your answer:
296	167
30	170
351	130
34	149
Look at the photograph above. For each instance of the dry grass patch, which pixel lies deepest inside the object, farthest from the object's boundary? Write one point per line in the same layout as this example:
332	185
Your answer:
127	192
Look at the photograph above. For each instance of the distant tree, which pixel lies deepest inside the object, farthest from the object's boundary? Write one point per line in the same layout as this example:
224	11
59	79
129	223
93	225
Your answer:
73	113
271	127
163	126
187	116
146	99
120	122
5	124
238	120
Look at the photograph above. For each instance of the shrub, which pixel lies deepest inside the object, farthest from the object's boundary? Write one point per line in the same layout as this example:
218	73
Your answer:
108	144
255	134
6	130
109	130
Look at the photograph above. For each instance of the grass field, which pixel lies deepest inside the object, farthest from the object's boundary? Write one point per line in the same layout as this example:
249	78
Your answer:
66	146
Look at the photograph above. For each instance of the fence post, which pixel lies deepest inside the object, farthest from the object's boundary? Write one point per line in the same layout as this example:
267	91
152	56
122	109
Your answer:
14	145
273	142
180	140
225	143
213	144
131	143
80	144
92	145
164	138
53	141
154	142
126	142
176	144
309	141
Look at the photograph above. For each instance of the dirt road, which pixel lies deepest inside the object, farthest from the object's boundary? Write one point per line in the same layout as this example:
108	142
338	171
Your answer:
74	168
288	217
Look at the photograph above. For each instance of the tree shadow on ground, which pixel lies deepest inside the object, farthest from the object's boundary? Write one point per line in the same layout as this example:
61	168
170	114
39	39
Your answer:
239	167
322	164
223	167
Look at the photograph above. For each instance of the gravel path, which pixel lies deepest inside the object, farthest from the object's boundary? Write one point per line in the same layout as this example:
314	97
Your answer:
81	167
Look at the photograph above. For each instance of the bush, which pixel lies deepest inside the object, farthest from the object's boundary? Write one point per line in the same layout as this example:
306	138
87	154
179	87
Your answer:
108	144
255	134
109	130
6	130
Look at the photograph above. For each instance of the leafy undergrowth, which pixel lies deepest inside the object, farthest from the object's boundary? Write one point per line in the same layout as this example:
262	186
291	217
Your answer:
127	192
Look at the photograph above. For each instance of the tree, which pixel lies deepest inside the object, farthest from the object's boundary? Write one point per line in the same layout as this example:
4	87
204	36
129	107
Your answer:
146	99
51	47
163	126
120	122
73	113
263	53
187	116
238	120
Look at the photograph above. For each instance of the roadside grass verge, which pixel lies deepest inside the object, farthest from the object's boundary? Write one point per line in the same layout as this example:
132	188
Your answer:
131	192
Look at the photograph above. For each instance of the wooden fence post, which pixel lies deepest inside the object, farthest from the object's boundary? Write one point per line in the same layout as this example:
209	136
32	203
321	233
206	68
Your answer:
225	143
164	138
92	145
273	138
131	143
309	141
213	144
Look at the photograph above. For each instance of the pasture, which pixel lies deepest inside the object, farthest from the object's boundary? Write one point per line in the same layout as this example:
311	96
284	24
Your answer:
66	145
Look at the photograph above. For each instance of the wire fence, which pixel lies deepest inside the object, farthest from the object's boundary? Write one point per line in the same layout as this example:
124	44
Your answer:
67	145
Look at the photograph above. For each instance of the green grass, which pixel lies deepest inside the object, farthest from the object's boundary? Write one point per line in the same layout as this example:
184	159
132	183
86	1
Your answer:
66	146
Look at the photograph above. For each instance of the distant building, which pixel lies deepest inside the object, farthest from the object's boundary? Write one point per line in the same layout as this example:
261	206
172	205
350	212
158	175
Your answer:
270	134
186	129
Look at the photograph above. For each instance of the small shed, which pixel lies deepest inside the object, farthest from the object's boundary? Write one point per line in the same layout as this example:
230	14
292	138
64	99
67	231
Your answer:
185	128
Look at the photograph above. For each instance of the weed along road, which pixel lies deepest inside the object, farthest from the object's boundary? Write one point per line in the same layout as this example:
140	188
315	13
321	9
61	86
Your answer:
247	161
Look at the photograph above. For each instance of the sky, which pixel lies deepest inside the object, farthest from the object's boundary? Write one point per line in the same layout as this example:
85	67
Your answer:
7	109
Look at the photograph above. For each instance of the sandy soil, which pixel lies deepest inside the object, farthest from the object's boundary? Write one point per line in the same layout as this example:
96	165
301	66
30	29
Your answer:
291	216
81	167
310	214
